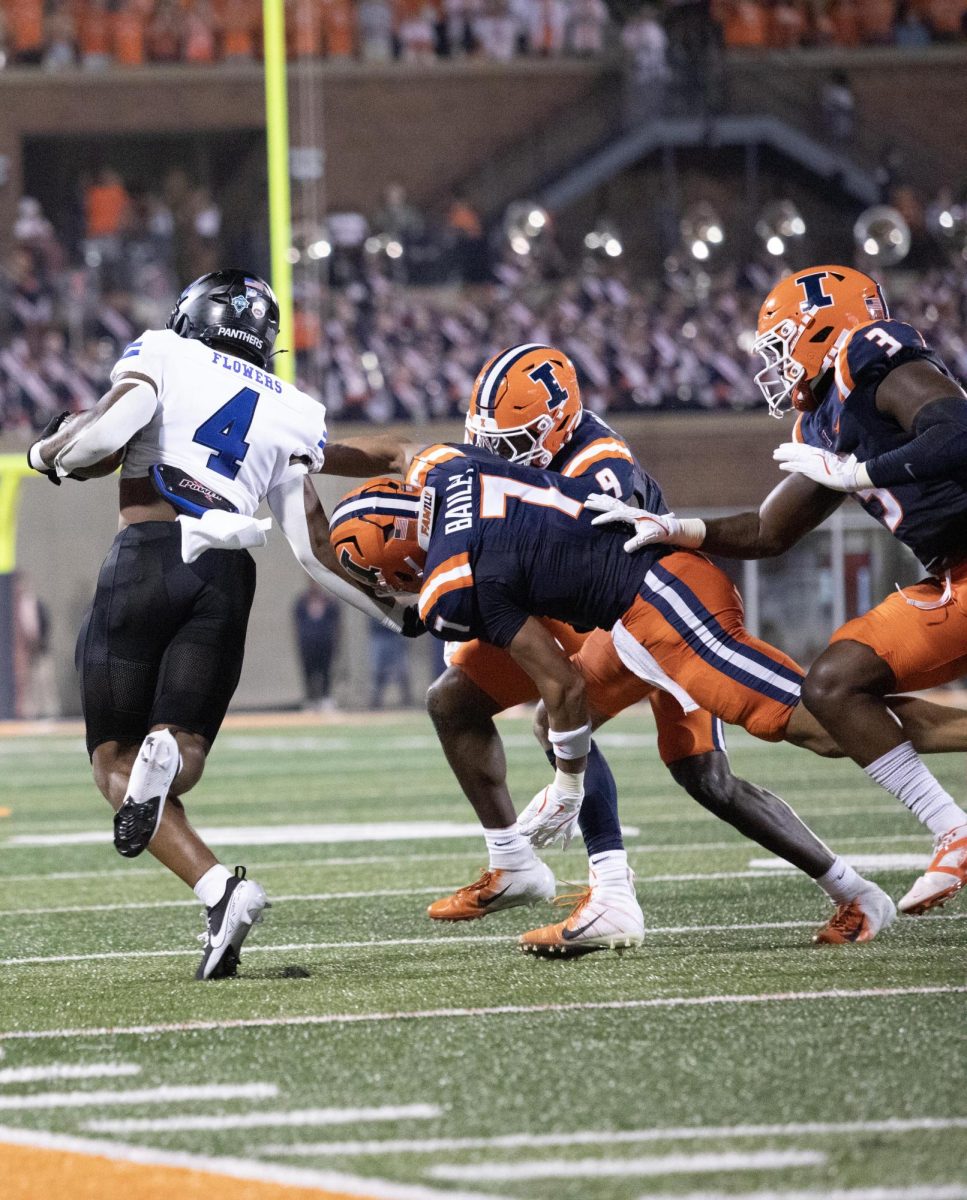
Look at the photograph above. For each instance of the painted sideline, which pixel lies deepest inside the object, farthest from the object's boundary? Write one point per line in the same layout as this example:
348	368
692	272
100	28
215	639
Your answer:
233	1168
511	1010
662	1164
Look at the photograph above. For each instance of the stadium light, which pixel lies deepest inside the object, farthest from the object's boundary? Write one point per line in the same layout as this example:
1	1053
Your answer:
779	226
882	235
525	221
702	231
605	239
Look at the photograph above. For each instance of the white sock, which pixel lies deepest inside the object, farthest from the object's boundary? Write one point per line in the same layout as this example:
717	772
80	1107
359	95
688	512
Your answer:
609	870
841	883
211	887
508	848
904	775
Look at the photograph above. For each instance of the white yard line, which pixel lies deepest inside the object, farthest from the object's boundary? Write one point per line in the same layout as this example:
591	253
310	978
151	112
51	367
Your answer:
281	835
604	1137
233	1168
439	940
269	1120
158	1095
394	860
505	1010
916	1191
68	1071
666	1164
300	896
861	862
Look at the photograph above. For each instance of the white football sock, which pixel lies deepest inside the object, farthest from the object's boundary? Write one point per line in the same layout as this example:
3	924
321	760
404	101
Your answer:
904	775
211	887
841	883
508	848
609	871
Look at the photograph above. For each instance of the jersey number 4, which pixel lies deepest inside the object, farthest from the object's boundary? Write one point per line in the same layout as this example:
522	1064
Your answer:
224	433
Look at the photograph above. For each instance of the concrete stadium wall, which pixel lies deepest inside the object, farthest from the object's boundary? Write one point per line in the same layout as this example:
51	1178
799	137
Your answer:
703	461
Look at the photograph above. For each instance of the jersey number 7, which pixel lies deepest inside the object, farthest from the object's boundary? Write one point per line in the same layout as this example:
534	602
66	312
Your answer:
224	433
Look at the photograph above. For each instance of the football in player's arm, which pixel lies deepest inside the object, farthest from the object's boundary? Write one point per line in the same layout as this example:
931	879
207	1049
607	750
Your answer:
880	418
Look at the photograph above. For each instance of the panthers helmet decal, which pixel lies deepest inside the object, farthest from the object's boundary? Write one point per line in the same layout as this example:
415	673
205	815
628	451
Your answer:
525	404
802	324
374	532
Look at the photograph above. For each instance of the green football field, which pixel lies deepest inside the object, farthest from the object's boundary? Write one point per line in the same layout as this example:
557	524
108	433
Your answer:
364	1050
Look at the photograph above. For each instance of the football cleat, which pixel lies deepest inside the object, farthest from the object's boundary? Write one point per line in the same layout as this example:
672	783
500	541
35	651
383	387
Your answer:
137	820
859	919
943	878
228	923
497	888
601	920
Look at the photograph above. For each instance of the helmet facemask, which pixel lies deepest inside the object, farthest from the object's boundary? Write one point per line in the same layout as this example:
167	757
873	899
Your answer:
523	444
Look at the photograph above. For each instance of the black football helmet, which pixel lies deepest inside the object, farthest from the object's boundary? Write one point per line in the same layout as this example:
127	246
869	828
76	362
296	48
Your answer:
233	310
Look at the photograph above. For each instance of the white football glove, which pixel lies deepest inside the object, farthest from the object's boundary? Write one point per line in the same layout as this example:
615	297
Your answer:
550	817
838	472
650	528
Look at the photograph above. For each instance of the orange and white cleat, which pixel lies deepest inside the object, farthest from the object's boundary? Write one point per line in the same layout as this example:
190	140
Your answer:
945	875
600	920
859	919
496	888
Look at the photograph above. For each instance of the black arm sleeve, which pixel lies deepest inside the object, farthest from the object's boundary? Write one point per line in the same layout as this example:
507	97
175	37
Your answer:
938	449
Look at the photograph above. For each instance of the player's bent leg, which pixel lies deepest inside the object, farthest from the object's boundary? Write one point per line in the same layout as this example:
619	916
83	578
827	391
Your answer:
862	909
463	717
845	691
932	728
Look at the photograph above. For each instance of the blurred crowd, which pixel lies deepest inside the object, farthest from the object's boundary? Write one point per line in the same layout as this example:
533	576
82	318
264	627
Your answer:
786	24
95	34
377	349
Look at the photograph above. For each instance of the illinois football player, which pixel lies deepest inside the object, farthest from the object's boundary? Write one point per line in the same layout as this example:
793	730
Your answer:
881	418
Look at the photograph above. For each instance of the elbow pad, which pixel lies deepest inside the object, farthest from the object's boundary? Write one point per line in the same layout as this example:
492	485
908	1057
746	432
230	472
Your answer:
938	449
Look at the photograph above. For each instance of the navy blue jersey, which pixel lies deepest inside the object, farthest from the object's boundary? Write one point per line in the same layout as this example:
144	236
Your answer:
595	451
510	542
929	516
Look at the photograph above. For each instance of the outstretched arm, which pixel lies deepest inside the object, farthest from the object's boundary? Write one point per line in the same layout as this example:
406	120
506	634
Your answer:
295	505
359	458
788	513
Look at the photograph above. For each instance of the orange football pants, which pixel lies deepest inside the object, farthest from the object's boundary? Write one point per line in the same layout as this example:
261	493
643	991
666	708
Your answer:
923	647
611	688
689	618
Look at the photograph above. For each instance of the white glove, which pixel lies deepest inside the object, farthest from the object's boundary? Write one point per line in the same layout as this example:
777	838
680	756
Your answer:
650	528
553	813
838	472
218	530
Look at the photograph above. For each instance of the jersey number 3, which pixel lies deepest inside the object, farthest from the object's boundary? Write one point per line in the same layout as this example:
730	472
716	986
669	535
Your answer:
224	433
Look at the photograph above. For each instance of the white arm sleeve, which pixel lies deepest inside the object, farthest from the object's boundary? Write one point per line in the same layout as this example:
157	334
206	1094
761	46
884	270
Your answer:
112	430
288	508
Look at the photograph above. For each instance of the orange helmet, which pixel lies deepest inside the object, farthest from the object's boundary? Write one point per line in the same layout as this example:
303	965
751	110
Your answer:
373	530
802	324
525	404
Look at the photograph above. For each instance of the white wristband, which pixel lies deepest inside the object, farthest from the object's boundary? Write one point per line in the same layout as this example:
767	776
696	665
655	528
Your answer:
691	533
34	460
571	743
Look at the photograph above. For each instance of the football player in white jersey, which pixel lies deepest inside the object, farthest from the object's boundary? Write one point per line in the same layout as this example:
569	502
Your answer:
209	434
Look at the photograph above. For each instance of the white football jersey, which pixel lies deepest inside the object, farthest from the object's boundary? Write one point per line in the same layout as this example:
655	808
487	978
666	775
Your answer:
229	425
